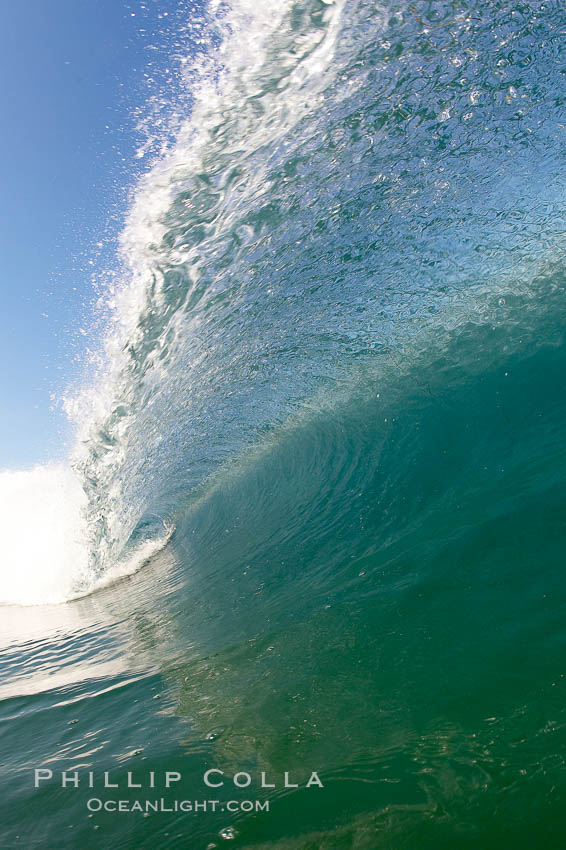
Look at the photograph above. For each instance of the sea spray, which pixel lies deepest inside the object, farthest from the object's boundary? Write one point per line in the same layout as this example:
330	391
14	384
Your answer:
43	533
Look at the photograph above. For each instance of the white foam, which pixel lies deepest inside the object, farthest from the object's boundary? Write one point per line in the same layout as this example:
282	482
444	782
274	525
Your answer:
44	542
128	565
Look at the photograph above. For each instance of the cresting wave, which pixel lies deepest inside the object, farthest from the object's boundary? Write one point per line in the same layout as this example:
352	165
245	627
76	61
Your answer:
84	513
310	229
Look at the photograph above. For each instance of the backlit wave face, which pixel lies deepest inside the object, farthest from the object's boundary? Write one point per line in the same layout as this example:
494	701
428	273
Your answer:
354	185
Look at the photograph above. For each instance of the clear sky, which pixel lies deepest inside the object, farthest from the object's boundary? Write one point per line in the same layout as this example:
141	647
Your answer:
72	74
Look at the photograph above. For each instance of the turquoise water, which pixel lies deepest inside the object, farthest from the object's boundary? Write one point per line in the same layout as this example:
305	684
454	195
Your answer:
315	518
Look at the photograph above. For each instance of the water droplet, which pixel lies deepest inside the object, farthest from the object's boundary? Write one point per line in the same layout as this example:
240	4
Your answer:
229	833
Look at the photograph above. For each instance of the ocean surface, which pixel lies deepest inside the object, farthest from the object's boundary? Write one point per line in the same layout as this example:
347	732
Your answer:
314	516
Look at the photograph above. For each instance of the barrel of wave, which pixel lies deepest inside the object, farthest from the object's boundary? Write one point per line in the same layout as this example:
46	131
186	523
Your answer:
44	556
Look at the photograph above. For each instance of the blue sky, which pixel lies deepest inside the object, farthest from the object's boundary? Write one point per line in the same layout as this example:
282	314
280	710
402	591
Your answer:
72	75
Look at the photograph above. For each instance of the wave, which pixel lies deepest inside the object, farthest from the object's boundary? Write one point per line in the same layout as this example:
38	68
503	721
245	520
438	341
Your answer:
329	209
